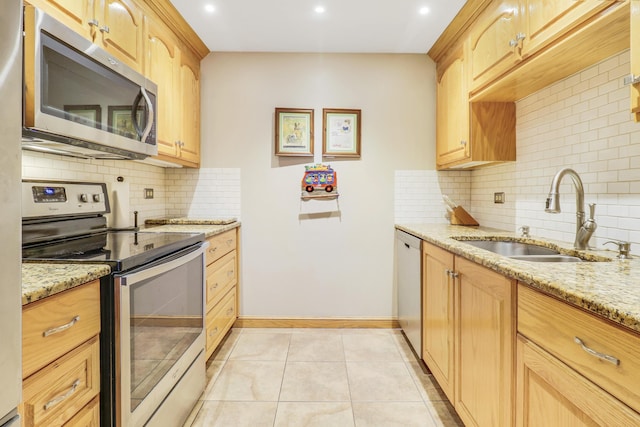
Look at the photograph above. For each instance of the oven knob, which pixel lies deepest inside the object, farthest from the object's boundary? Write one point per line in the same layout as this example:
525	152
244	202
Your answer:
84	198
97	197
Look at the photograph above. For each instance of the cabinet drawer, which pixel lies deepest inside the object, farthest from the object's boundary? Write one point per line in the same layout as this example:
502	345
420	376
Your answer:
53	326
56	393
555	326
221	276
89	416
220	319
220	245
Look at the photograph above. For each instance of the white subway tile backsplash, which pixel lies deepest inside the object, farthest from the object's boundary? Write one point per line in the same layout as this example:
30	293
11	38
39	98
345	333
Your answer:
582	122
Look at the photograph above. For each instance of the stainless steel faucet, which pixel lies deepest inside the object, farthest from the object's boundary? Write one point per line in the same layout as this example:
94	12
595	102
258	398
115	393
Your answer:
584	229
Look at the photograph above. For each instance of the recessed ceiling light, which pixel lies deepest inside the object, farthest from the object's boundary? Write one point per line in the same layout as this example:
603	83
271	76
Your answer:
424	10
210	8
319	9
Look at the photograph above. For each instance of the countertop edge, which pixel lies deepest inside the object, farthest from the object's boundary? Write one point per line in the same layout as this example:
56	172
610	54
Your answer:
582	291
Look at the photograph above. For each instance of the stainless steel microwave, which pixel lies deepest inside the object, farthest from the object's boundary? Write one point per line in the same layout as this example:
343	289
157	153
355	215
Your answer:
79	100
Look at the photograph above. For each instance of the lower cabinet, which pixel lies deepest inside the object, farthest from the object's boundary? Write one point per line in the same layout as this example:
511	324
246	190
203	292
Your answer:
61	359
574	369
221	292
469	336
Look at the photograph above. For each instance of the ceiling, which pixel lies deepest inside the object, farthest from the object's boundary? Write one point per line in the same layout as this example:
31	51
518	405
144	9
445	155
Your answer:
353	26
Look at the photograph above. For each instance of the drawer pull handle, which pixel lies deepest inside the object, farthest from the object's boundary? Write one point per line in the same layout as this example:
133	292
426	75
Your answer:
213	249
213	331
597	354
215	285
229	242
230	273
61	328
230	311
60	399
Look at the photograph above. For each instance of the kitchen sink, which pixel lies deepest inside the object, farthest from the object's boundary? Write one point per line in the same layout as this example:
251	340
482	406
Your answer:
527	251
547	258
511	249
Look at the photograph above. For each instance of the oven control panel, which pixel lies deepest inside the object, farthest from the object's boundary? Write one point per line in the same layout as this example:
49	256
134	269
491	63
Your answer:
58	198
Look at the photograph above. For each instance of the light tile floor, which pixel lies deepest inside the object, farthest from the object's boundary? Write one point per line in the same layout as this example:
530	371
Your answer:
319	378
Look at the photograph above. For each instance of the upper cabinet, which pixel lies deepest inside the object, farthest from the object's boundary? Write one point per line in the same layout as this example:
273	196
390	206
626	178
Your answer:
493	42
469	134
114	25
162	66
496	52
176	71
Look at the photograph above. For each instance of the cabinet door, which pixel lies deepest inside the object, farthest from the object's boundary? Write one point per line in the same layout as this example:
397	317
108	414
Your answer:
437	316
550	393
452	111
75	14
635	58
546	20
162	67
485	348
190	109
120	31
493	46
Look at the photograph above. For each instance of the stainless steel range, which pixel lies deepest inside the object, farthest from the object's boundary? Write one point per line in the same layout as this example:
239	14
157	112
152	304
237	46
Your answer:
152	338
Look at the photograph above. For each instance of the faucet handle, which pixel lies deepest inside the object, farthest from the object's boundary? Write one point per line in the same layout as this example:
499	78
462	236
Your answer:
592	210
623	248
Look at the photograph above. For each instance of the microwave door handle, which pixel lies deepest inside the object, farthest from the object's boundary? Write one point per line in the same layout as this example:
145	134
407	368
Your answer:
142	133
150	115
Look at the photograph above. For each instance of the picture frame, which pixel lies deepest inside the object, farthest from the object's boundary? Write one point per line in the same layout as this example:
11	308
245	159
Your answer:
90	115
119	119
294	132
342	130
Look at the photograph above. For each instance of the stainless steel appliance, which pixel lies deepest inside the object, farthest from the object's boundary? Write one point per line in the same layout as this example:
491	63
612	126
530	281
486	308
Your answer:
10	161
79	100
152	337
408	263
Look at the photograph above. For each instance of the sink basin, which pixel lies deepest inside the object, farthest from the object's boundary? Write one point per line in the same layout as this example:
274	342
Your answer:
511	249
547	258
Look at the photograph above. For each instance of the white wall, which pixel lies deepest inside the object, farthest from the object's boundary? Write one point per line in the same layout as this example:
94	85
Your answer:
582	122
337	264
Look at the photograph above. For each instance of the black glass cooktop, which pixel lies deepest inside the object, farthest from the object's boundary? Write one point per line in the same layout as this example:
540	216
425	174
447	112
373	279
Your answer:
122	250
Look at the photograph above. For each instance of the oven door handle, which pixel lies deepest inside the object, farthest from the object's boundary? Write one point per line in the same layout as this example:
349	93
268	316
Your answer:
161	265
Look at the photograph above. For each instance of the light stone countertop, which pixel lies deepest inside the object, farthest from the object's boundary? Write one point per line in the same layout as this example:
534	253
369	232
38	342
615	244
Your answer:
197	226
609	289
40	280
190	221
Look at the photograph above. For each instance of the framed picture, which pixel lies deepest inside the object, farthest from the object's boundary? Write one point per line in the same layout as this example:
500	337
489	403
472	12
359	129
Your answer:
341	136
294	132
119	118
90	115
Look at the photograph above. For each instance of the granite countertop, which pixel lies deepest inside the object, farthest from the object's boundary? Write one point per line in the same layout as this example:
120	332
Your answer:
40	280
190	221
610	289
208	227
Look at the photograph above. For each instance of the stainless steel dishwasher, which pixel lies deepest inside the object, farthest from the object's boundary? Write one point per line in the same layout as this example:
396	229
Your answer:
408	263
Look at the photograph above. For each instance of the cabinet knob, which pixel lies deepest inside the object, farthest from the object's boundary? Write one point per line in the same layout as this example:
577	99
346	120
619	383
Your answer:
463	143
513	43
104	29
93	23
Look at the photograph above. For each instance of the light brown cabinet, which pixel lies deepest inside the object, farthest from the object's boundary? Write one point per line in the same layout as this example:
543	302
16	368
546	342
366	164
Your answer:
114	25
509	31
176	71
469	336
61	358
469	134
438	316
581	368
221	287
